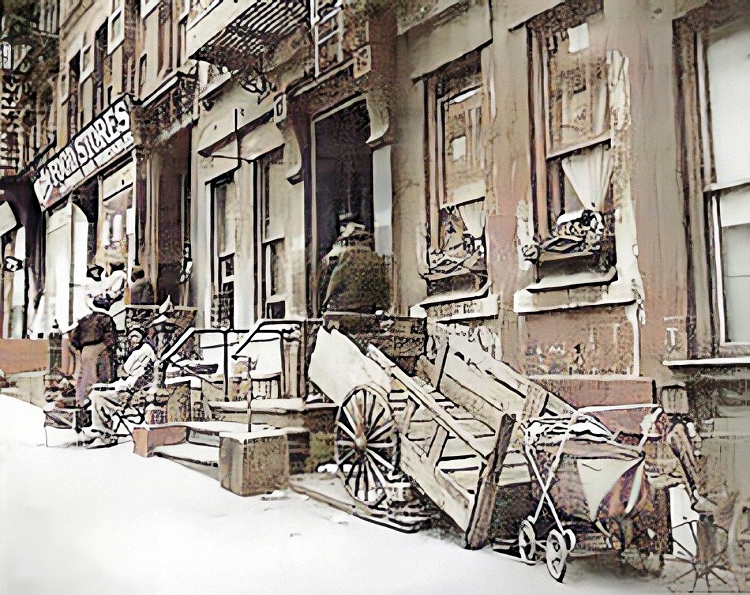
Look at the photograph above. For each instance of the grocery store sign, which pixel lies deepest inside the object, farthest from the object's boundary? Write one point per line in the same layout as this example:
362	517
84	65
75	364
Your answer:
105	138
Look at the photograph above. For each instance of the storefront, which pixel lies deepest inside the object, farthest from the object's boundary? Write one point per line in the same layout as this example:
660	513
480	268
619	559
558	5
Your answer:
86	191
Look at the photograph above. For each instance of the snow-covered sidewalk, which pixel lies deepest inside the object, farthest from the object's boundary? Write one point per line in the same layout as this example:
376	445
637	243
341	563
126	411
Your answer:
106	522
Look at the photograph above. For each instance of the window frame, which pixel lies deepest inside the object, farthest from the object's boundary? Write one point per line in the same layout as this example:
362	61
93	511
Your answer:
547	160
222	260
706	315
713	191
270	237
441	88
118	12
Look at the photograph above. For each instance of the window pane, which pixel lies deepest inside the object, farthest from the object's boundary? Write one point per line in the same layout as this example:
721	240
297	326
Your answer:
728	59
577	93
734	208
225	205
464	156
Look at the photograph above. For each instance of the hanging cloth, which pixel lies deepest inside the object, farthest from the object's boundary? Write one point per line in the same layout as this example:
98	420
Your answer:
589	174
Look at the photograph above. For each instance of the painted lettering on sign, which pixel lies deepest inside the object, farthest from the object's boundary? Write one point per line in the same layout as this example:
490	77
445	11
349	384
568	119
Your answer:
106	137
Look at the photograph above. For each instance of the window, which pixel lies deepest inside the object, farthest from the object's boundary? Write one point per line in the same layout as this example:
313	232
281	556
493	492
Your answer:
224	225
457	177
100	57
181	42
73	107
270	217
574	221
724	90
142	72
166	43
113	236
116	25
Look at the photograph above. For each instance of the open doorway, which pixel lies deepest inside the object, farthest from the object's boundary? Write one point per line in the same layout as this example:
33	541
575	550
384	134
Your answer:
343	182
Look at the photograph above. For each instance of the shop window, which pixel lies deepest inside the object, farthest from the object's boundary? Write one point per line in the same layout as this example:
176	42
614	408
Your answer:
224	225
114	242
724	89
574	219
456	255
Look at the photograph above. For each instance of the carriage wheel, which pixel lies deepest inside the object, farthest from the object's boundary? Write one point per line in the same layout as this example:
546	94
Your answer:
556	555
366	447
702	558
739	544
527	542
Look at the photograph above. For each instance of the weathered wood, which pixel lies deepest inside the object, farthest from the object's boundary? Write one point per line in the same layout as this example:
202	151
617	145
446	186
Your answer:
484	502
444	493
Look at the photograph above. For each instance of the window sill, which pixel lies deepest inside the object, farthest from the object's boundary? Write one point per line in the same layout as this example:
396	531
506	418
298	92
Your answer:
565	296
708	362
573	280
457	305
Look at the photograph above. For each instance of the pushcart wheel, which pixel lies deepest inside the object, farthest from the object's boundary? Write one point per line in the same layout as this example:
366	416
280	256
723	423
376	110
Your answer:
527	542
366	446
570	539
556	554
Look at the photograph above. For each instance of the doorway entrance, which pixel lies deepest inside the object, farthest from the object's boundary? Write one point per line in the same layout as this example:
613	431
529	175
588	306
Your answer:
343	183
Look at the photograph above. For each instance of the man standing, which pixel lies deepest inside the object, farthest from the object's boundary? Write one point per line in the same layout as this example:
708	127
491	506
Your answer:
95	340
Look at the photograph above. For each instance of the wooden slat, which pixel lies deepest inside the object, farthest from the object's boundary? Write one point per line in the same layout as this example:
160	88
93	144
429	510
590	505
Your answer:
477	531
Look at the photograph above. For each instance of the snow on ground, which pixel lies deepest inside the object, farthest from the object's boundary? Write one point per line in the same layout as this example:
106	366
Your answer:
106	522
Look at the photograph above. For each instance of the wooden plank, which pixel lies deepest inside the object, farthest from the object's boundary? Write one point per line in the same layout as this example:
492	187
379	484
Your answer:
485	388
446	495
441	417
477	531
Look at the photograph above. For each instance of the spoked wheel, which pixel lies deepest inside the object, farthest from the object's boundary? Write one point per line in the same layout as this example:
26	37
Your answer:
527	542
556	554
366	447
739	544
701	558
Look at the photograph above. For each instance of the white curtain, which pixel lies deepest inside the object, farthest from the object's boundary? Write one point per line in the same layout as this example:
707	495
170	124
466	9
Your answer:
474	217
589	174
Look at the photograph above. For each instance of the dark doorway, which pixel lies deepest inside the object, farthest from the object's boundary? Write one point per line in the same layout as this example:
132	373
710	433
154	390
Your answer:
343	179
173	188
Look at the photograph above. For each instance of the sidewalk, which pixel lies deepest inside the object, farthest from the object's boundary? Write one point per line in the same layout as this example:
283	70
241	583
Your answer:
106	522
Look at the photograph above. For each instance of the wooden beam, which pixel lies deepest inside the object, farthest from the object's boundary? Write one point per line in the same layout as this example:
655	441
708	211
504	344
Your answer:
477	532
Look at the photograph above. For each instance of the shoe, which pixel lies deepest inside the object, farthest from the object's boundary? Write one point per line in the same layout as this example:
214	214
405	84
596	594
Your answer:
102	442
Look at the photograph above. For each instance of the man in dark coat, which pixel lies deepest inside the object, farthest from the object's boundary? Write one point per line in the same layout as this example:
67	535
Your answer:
95	340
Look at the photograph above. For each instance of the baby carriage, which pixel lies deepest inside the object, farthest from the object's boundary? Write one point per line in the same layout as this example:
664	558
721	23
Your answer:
585	479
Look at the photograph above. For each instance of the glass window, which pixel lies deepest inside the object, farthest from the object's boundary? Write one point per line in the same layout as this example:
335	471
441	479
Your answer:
727	100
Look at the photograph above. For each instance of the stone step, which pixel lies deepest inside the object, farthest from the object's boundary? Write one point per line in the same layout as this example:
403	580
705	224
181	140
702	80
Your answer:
198	454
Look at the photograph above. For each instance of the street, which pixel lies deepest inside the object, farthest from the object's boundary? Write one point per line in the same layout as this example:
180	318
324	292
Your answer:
78	522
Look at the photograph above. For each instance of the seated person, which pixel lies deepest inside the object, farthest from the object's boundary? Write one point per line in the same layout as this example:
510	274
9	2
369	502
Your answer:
107	399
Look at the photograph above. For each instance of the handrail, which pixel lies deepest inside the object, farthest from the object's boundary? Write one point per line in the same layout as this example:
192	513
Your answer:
259	328
180	342
190	332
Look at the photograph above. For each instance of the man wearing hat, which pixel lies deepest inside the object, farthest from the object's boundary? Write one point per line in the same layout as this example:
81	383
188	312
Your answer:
107	399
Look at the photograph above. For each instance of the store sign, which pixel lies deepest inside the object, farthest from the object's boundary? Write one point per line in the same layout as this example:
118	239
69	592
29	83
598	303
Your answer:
100	142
